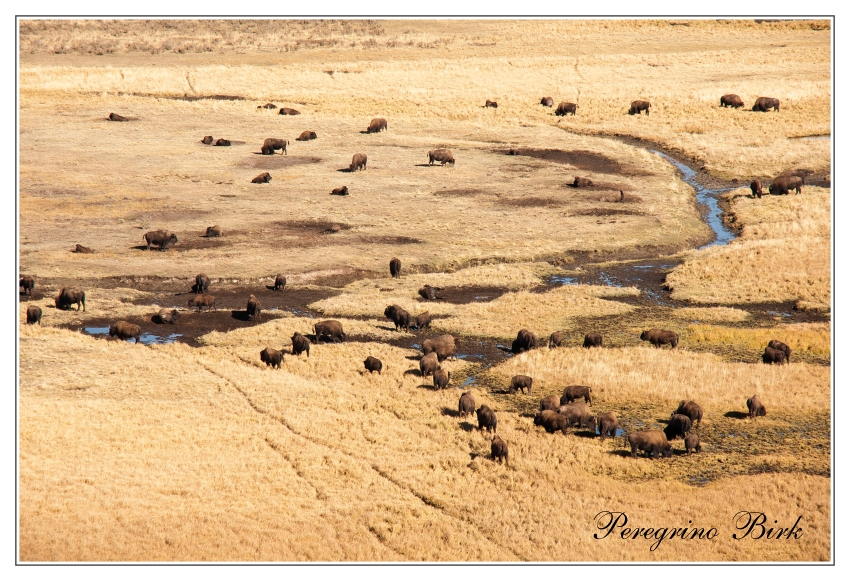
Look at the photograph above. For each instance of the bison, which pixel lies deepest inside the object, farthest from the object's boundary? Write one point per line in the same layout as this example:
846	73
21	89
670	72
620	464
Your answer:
428	364
221	143
373	364
490	103
551	421
755	188
279	282
659	337
580	182
272	144
117	117
555	339
202	301
550	402
271	357
254	308
577	414
33	315
80	249
564	108
771	356
300	344
169	316
70	296
263	178
445	346
692	443
395	268
763	104
125	331
267	106
213	231
654	442
547	102
343	191
202	284
444	156
161	238
429	293
691	409
525	341
207	140
781	347
486	419
306	136
288	111
26	284
466	404
376	125
358	161
784	184
679	425
573	392
755	407
520	382
330	329
592	340
607	424
441	378
423	321
730	100
398	316
638	106
800	173
499	450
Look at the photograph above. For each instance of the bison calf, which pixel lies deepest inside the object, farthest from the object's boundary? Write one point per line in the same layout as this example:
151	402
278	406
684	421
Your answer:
373	364
300	344
125	331
429	293
271	357
263	178
33	315
692	443
520	382
499	450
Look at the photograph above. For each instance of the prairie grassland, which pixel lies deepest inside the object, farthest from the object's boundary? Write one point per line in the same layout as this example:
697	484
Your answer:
196	455
802	338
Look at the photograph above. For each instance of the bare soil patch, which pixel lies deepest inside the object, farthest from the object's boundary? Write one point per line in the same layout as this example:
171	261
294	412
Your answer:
580	159
607	212
460	295
461	193
279	161
531	202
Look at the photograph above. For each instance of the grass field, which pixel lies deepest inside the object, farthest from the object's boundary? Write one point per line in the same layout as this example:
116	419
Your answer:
196	451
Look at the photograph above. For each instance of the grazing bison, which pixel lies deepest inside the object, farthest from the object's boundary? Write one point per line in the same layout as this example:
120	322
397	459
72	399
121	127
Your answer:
573	392
659	337
279	283
441	378
373	364
423	321
202	284
271	357
306	136
771	356
763	104
254	308
520	382
26	283
547	102
445	346
607	424
116	117
267	106
577	414
654	442
288	111
263	178
377	124
125	331
756	408
169	316
330	329
755	188
207	140
592	340
582	182
525	341
398	316
429	292
202	301
33	315
499	450
551	421
486	419
781	347
466	404
730	100
679	425
638	106
213	231
300	344
428	364
550	402
564	108
358	161
784	184
395	268
692	443
555	339
444	156
161	238
80	249
221	143
70	296
343	191
272	144
490	103
691	409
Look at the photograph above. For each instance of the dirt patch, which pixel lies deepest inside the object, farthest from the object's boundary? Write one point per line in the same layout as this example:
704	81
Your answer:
189	98
279	161
580	158
460	295
531	202
461	193
390	240
188	242
606	212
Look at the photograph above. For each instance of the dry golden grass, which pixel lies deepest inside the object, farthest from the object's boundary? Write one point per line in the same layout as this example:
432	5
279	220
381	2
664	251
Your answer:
802	338
713	314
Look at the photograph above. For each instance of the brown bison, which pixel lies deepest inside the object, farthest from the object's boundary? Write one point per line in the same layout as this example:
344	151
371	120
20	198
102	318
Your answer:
358	161
116	117
466	404
343	191
577	414
429	293
520	382
441	378
547	102
490	103
551	421
125	331
691	409
638	106
168	316
254	308
279	283
730	100
486	419
423	321
607	424
207	140
263	178
373	364
213	231
288	111
692	443
398	316
33	315
330	329
377	124
444	156
202	301
592	340
755	188
221	142
679	425
80	249
763	104
659	337
582	182
550	402
272	144
267	106
499	450
781	347
555	339
300	344
756	408
202	284
525	341
803	174
445	346
70	296
395	268
653	442
573	392
161	238
306	136
784	184
428	364
771	356
564	108
271	357
26	284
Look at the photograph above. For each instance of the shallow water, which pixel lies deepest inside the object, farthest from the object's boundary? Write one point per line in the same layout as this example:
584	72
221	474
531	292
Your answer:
146	338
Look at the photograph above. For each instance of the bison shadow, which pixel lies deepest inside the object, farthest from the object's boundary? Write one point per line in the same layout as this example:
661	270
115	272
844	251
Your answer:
415	372
586	434
467	427
240	315
736	415
622	453
346	170
424	165
386	328
452	413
